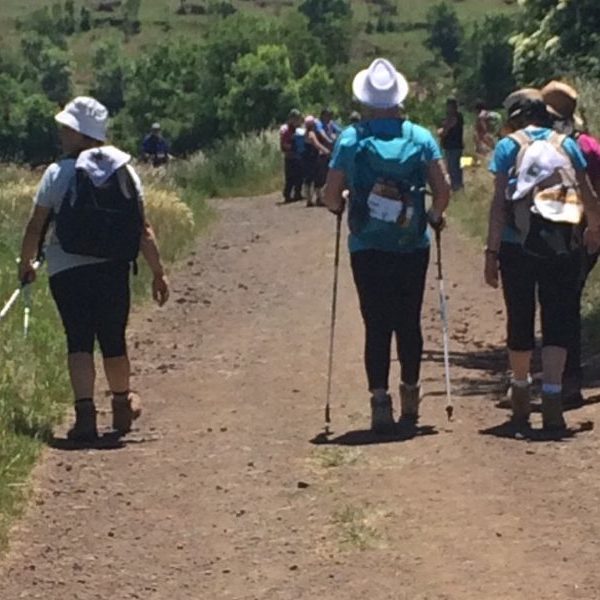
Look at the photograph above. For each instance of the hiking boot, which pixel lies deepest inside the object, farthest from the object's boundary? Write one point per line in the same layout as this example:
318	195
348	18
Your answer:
552	412
382	416
410	398
319	197
520	401
571	394
85	428
308	192
126	409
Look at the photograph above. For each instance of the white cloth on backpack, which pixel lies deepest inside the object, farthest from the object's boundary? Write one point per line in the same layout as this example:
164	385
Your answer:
540	161
101	163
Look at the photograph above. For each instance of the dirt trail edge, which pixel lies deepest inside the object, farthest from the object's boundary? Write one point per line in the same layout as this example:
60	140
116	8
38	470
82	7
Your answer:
220	494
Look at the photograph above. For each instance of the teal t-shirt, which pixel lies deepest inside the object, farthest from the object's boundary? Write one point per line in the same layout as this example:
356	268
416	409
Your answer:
505	156
344	159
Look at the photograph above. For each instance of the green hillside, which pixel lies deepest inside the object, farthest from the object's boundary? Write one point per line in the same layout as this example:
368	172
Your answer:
160	21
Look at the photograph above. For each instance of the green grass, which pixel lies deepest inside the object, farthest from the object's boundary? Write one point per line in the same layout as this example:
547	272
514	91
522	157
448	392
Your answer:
353	524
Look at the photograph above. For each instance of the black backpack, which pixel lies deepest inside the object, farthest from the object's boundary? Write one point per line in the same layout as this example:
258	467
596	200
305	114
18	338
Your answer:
104	221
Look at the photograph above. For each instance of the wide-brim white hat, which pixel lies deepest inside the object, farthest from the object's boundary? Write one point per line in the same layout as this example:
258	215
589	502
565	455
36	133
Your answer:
380	86
86	116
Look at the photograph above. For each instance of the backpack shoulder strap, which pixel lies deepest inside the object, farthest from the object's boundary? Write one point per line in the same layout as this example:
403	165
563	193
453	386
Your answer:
523	141
557	140
521	138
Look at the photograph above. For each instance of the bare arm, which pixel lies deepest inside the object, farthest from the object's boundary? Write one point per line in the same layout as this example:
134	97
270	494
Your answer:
334	189
151	253
497	213
317	144
31	242
440	188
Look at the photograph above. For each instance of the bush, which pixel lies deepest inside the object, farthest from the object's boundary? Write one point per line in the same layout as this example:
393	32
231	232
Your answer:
445	32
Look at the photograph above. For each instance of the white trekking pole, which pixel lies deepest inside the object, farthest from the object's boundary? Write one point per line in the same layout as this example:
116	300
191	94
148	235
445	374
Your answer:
444	317
23	288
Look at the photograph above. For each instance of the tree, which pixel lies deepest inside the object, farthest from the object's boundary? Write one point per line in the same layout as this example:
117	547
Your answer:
51	64
85	19
488	74
557	37
315	89
131	17
261	90
109	74
69	17
304	48
445	32
331	22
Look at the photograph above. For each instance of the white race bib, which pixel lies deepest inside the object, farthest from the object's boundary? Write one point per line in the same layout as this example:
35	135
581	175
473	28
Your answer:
387	210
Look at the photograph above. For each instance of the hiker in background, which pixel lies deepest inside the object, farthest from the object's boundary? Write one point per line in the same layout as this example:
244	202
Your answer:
92	292
292	156
314	153
484	130
452	139
355	117
155	148
385	162
534	254
561	102
327	129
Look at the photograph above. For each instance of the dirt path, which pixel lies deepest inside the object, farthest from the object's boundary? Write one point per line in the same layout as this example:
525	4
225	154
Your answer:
221	495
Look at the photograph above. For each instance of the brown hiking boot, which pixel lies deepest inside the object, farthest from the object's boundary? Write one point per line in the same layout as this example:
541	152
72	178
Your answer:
382	415
126	409
520	400
410	398
85	428
552	412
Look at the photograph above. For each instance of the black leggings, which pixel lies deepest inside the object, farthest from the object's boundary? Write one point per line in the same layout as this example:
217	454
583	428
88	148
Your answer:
93	302
294	175
390	288
557	283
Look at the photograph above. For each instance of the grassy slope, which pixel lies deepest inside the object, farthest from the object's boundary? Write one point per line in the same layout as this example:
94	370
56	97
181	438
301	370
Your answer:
405	48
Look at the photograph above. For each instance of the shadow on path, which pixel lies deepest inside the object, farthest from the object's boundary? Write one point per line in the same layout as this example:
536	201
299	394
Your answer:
366	437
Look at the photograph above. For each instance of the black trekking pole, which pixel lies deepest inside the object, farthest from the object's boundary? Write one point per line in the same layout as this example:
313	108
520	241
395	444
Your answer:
444	318
336	264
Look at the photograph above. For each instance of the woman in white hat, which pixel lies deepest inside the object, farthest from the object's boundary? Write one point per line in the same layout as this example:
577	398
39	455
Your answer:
385	162
91	291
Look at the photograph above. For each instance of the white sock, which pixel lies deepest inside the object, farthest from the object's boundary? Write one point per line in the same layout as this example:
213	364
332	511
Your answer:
551	388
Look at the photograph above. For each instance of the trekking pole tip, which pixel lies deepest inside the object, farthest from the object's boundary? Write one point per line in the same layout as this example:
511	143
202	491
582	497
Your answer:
450	412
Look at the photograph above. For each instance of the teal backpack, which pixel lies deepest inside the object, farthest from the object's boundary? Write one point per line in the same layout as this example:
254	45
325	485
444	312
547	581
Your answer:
392	166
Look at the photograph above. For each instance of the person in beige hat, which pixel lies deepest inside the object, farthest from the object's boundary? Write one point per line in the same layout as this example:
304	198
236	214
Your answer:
385	162
526	272
91	285
562	103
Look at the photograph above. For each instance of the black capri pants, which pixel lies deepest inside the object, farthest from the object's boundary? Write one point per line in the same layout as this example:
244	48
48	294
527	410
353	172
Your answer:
390	287
556	281
94	302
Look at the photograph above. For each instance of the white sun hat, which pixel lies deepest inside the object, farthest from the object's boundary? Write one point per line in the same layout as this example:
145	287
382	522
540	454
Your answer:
86	116
380	86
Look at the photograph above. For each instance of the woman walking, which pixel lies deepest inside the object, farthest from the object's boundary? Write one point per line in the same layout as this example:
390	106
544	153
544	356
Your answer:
385	162
536	256
89	257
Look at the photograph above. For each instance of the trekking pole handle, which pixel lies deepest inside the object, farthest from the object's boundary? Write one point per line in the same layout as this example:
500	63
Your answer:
438	244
